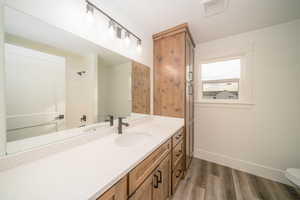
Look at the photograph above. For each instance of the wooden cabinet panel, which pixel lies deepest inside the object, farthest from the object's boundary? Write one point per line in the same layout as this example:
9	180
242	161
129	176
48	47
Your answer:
140	88
177	153
144	169
177	175
117	192
174	79
163	176
157	186
187	146
145	191
177	137
189	110
193	139
169	76
190	146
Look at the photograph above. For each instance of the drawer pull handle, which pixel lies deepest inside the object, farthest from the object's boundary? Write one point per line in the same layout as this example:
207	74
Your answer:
179	153
155	184
160	176
179	173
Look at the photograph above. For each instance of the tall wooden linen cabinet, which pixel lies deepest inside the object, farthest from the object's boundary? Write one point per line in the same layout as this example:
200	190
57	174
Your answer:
173	79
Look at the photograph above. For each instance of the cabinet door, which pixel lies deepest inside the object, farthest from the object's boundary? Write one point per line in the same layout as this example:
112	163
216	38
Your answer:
177	175
117	192
169	75
189	112
138	175
145	191
187	100
192	103
187	146
162	190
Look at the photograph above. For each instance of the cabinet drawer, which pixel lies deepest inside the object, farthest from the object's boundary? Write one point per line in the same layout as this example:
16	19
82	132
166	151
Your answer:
177	153
146	167
177	175
116	192
177	137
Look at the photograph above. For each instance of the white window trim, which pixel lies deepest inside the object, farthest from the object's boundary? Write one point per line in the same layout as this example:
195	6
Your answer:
245	85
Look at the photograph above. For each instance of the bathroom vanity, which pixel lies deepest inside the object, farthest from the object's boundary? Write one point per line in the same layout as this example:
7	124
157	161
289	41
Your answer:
145	162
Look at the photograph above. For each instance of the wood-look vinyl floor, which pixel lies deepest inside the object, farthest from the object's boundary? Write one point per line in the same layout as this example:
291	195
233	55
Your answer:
209	181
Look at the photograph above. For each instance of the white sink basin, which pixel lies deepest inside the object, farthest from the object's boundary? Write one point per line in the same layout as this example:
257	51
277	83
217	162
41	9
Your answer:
132	139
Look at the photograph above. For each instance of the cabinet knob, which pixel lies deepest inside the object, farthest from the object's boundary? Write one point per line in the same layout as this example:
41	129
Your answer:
178	173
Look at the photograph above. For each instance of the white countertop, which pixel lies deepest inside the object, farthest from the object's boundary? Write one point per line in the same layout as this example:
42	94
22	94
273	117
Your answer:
86	171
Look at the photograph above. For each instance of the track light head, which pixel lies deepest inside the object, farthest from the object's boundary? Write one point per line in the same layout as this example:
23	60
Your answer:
127	38
111	28
89	13
139	45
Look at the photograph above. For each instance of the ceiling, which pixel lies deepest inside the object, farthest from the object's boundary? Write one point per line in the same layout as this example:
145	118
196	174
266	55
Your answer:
241	16
30	28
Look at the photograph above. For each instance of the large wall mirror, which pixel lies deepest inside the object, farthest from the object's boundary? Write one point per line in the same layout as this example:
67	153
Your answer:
56	82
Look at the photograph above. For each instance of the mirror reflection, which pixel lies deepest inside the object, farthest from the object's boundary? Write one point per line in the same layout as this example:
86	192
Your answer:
57	81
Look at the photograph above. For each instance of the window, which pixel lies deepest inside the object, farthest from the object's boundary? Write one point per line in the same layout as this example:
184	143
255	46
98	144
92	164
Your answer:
221	80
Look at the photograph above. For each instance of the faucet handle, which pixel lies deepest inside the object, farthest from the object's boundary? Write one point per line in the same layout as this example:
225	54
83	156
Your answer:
111	119
120	119
123	123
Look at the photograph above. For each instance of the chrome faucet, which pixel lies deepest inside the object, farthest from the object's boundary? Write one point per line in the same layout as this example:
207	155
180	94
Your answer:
120	125
110	120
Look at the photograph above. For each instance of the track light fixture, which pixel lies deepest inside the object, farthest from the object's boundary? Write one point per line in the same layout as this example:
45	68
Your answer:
113	25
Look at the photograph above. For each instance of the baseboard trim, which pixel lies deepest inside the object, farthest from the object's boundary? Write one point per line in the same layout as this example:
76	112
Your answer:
242	165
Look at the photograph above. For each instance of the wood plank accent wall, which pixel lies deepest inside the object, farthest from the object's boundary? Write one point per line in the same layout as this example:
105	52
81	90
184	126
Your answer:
140	88
169	75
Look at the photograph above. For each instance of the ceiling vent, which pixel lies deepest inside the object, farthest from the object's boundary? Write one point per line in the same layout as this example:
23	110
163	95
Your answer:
213	7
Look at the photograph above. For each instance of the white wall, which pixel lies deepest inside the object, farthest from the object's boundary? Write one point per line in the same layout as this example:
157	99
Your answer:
263	138
102	90
27	96
81	91
119	89
114	90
